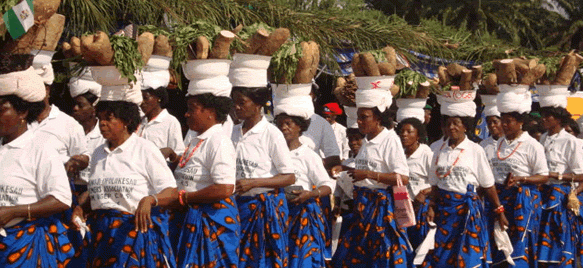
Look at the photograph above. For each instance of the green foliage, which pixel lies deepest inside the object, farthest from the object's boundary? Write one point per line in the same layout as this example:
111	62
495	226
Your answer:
408	82
183	37
127	59
284	62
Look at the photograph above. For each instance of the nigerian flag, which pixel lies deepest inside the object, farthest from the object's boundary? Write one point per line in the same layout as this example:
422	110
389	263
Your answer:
19	18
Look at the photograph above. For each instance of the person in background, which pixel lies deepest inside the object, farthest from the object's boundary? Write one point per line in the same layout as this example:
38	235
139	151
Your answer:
427	109
130	181
34	184
412	133
494	125
158	125
438	143
533	125
331	112
344	186
572	127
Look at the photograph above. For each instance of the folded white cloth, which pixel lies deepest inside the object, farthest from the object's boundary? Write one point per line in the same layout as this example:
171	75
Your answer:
301	106
552	95
351	116
42	65
27	85
84	83
129	93
503	242
289	90
514	101
458	103
248	70
218	86
375	82
208	76
411	108
336	233
370	98
427	245
490	105
155	78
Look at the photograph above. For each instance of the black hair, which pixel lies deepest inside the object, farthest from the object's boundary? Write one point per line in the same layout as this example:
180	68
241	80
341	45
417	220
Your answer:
34	109
353	131
574	126
161	93
387	117
417	124
467	121
557	112
127	112
520	117
304	124
90	97
259	95
221	105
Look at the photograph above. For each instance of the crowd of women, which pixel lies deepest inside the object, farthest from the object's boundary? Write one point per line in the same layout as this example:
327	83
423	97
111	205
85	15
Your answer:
116	185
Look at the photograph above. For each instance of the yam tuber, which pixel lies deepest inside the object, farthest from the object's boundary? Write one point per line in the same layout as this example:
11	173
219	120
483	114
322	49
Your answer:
506	72
303	70
424	90
67	50
98	48
146	45
466	80
386	68
443	76
491	84
256	41
76	46
356	66
391	55
340	82
237	29
48	35
44	10
274	41
395	90
369	64
202	47
477	73
315	48
162	46
455	70
567	69
222	45
534	75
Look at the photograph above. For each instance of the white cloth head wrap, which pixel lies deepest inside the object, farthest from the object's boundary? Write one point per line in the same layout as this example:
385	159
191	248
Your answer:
208	76
553	95
351	116
518	100
156	73
84	83
27	85
293	100
42	65
411	108
490	105
370	98
115	87
249	70
458	103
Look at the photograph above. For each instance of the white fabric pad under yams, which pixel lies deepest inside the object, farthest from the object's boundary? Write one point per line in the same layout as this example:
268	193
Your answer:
294	100
208	76
156	74
514	99
115	87
411	108
84	83
42	65
249	70
27	85
552	95
458	103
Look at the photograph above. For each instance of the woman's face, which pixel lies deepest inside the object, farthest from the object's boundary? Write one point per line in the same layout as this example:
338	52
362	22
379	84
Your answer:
10	119
197	116
494	125
289	128
510	125
368	123
83	111
149	103
409	135
454	128
245	108
550	121
355	142
111	127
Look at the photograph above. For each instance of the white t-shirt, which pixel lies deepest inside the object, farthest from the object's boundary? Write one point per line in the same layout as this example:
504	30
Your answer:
226	128
261	153
472	167
528	159
384	154
419	164
563	153
94	140
122	177
309	169
213	162
164	131
320	137
341	140
31	172
70	136
489	146
437	144
344	186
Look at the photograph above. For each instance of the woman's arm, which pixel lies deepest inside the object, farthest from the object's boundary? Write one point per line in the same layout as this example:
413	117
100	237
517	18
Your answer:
143	218
211	194
277	181
45	207
536	179
386	178
304	195
493	197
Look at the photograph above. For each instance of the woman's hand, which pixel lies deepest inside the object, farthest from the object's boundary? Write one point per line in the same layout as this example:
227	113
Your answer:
143	218
360	174
77	212
502	221
430	214
6	215
303	196
244	185
514	180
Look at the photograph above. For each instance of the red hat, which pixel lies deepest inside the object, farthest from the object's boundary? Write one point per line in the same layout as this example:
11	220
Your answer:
332	108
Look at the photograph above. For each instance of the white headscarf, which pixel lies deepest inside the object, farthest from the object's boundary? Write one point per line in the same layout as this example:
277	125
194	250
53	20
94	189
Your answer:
490	105
514	101
370	98
458	103
208	76
411	108
351	116
27	85
84	83
249	70
42	65
293	100
156	73
553	95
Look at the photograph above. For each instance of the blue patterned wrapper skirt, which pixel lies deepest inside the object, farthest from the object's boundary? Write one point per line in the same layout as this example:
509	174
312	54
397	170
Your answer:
418	232
114	242
373	238
209	236
556	244
39	243
461	239
307	235
523	208
264	236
